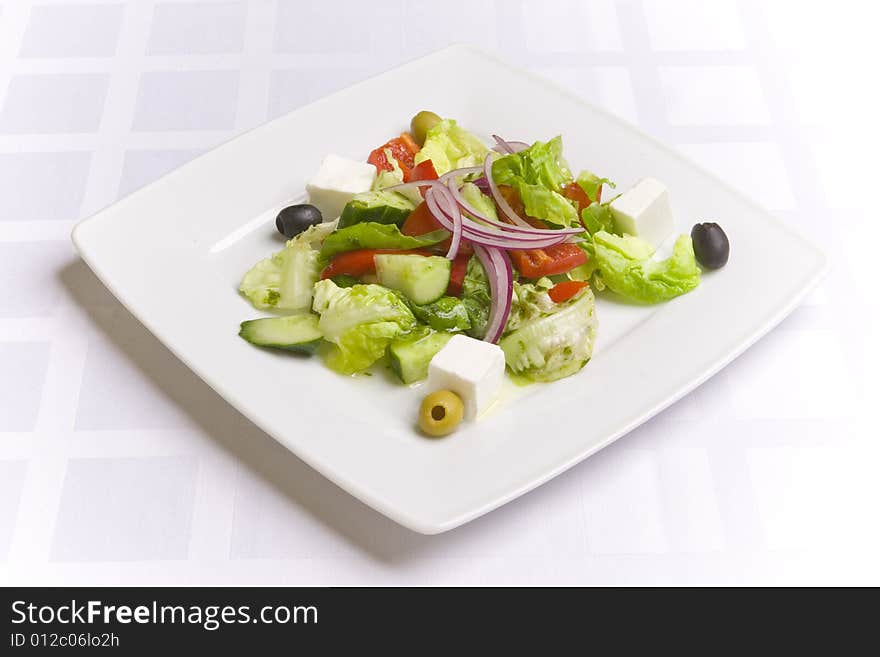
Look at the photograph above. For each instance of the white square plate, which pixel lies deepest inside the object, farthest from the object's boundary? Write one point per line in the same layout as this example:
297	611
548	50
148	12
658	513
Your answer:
175	251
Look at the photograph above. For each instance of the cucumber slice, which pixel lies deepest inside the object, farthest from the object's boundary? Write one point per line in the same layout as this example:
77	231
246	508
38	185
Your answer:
410	357
299	273
294	333
378	207
423	279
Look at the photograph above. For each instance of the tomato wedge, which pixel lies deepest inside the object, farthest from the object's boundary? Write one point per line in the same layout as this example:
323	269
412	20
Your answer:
566	290
360	262
403	149
575	192
457	274
423	171
421	221
549	261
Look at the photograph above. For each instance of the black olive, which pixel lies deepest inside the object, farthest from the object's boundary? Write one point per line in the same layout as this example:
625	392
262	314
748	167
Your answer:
294	219
710	245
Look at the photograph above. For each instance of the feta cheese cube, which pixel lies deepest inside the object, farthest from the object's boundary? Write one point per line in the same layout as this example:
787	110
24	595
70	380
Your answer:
472	369
336	182
644	211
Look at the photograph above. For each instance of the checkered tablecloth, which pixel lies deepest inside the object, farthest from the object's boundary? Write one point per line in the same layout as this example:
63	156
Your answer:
118	466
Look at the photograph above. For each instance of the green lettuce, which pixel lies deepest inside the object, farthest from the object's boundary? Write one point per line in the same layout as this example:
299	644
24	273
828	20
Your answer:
529	302
285	279
476	297
445	314
598	217
387	178
626	267
553	345
359	321
479	201
450	147
538	173
540	164
591	184
541	203
371	235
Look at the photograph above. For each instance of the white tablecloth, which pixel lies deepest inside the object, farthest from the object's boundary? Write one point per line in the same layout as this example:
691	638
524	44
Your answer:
118	466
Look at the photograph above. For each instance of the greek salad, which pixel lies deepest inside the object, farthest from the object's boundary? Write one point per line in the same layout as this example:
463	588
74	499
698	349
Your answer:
451	260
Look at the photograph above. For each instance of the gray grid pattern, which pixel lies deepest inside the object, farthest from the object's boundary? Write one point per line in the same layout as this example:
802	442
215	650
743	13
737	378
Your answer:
117	465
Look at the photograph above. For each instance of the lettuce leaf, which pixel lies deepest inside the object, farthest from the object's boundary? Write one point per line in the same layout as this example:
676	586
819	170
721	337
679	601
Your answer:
387	178
591	184
540	164
451	147
371	235
529	302
285	279
359	321
625	265
541	203
479	201
553	345
476	297
598	217
445	314
537	173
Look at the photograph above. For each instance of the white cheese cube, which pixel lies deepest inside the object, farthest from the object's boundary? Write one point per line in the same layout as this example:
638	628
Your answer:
644	211
472	369
336	182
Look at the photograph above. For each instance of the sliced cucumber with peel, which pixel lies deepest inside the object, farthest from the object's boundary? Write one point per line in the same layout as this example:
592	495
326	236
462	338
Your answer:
411	356
378	207
294	333
423	279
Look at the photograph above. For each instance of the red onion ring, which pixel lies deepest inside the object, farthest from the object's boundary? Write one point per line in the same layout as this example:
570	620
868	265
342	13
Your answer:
455	198
518	230
457	220
458	173
502	146
442	206
506	210
452	223
500	275
415	184
508	147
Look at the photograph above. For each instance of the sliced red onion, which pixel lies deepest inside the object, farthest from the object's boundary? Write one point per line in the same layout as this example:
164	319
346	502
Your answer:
508	147
507	244
459	173
443	208
451	222
483	184
441	217
415	184
514	231
502	203
500	275
457	221
502	146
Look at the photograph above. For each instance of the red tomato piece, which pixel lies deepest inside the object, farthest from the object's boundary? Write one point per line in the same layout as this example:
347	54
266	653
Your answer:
421	221
558	259
360	262
423	171
566	290
457	274
403	149
575	192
